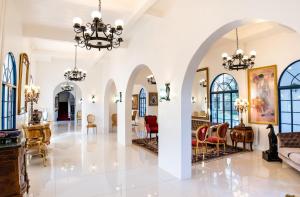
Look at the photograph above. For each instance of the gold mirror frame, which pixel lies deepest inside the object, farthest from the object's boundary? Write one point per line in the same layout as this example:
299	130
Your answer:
207	95
24	61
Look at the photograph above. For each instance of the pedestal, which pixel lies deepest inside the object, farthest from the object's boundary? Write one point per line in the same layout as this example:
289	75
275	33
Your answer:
270	156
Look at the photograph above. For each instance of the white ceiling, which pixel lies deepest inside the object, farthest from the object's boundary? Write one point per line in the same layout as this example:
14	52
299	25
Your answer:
47	24
256	31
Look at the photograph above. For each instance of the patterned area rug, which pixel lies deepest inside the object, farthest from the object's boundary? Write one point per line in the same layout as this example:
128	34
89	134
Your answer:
211	154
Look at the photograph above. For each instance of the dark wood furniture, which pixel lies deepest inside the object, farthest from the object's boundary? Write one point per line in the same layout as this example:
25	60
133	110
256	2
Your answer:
13	174
242	134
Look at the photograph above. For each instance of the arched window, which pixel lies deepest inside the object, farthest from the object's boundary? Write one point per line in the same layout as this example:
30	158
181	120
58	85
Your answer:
142	103
9	82
223	93
289	98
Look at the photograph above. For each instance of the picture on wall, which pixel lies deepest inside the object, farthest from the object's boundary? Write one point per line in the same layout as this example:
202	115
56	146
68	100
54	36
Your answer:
135	99
262	95
153	99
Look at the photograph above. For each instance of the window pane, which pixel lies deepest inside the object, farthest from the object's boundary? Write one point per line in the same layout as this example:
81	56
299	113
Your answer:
296	118
285	94
227	97
296	106
286	118
228	115
286	79
285	128
234	96
285	106
227	105
214	97
296	94
296	128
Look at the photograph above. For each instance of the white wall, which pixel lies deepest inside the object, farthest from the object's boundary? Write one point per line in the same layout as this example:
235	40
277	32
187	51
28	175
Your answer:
172	46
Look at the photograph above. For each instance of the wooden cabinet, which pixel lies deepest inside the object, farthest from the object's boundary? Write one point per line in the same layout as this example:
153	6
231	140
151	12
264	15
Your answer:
13	173
242	134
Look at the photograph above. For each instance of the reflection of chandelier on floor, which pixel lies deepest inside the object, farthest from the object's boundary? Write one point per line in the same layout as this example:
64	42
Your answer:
67	87
75	74
97	34
238	60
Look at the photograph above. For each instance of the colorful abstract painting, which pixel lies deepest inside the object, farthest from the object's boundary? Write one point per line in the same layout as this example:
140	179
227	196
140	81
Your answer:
262	95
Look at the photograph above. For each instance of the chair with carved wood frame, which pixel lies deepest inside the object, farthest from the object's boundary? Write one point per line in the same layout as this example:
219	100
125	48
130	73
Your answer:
114	120
220	139
91	123
200	141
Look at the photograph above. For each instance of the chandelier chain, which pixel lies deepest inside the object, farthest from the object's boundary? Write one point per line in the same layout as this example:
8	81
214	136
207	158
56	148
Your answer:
237	38
100	6
75	56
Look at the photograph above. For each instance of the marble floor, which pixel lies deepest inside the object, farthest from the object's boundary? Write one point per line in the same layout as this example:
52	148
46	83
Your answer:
96	166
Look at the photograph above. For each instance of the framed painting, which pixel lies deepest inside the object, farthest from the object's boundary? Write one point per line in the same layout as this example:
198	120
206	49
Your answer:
135	101
153	99
262	95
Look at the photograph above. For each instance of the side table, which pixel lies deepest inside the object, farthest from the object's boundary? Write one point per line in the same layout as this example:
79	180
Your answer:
242	134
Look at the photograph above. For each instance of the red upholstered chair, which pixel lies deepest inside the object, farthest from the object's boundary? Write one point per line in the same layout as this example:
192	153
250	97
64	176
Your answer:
200	141
151	125
220	138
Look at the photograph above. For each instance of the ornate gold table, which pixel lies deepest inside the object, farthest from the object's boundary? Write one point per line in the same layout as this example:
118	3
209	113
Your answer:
37	138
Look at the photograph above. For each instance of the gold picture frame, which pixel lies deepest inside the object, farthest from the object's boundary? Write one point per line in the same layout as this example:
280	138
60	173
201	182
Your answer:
23	80
135	101
263	95
153	99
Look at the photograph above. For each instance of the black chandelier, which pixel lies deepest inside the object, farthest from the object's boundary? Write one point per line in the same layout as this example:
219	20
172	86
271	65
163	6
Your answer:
97	34
66	87
75	74
239	60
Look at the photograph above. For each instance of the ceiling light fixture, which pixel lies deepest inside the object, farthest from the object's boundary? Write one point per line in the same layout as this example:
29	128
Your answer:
151	80
97	34
75	74
67	87
238	61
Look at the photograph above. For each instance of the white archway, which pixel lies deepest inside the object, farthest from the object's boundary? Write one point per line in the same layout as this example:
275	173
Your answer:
186	89
128	104
109	106
76	92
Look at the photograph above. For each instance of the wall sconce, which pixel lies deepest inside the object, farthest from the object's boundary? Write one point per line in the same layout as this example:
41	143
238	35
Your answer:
194	99
93	99
165	93
151	80
203	83
80	100
118	98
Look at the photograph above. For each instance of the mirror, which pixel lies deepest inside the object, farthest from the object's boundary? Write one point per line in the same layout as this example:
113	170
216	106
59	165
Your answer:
23	80
200	94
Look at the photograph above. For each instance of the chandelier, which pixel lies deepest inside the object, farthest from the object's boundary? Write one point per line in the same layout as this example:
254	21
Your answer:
75	74
238	60
67	87
97	34
151	80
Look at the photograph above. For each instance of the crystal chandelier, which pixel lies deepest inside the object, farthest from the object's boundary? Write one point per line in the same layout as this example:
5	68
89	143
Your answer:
67	87
75	74
97	34
238	60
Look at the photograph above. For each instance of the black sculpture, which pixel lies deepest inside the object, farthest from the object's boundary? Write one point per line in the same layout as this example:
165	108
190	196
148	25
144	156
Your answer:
271	154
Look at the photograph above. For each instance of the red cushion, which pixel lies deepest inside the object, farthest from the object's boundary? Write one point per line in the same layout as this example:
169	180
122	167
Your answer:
215	139
194	142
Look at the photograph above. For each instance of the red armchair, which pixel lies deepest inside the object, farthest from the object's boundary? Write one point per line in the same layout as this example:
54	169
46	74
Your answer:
220	139
200	141
151	125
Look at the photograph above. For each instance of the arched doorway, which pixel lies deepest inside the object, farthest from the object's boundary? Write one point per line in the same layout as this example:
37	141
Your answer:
67	104
110	107
198	61
141	108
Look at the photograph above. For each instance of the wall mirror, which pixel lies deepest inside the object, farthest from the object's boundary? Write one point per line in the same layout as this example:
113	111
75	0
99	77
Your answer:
23	81
200	94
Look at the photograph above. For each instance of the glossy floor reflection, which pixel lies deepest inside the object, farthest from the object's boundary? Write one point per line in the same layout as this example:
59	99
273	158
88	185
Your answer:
95	165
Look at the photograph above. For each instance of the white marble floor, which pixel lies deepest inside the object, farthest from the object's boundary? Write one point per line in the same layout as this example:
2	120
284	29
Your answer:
95	165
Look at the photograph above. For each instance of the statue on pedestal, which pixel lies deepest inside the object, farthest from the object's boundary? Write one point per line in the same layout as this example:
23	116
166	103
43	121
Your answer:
271	154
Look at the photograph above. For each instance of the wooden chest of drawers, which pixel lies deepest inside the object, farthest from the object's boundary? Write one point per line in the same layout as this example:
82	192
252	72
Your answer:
13	173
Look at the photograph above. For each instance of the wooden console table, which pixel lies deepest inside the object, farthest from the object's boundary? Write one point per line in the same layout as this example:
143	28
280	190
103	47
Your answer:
13	173
242	134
